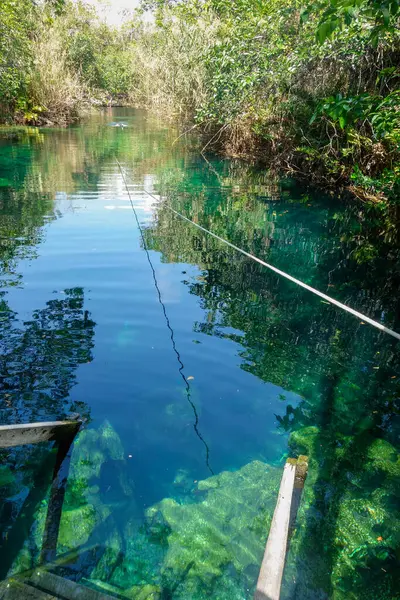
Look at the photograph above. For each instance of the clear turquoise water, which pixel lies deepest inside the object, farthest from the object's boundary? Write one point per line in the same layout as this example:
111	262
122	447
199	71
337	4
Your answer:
196	383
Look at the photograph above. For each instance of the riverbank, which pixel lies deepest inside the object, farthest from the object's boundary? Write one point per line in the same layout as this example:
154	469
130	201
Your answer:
303	92
312	93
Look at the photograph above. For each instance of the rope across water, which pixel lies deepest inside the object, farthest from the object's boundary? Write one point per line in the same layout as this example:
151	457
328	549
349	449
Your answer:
325	297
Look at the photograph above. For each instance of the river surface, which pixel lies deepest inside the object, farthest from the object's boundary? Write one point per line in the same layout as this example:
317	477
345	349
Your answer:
196	370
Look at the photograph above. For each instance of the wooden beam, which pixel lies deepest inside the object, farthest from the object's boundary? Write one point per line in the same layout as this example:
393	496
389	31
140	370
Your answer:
60	587
56	500
270	577
34	433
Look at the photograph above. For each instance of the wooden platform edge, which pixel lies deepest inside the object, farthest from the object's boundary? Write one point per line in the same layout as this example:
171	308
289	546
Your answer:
34	433
273	563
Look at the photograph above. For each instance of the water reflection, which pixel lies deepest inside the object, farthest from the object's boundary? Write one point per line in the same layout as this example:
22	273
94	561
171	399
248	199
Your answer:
38	366
39	360
346	373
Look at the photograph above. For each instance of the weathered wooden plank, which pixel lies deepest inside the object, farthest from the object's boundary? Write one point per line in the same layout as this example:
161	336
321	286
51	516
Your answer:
13	589
33	433
57	493
64	588
270	577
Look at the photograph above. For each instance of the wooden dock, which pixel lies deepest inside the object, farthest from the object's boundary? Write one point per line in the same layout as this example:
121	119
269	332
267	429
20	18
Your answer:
273	564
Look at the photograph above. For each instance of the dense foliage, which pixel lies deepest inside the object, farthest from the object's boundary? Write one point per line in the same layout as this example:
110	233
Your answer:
56	57
311	88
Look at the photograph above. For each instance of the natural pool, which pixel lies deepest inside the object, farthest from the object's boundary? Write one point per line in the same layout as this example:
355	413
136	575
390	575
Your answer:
173	480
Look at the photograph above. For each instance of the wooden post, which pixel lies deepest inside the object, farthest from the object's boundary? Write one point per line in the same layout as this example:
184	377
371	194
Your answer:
271	572
56	500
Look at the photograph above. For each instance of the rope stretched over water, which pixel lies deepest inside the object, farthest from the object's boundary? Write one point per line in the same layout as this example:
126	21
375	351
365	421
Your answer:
178	356
344	307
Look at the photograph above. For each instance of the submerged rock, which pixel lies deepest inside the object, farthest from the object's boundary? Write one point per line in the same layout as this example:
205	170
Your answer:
7	476
77	525
136	592
383	457
303	441
220	537
93	450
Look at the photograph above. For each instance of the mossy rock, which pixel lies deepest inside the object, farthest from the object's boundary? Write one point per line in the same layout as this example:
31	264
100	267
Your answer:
143	553
136	592
77	525
225	531
92	450
304	441
106	565
382	456
143	592
366	549
7	476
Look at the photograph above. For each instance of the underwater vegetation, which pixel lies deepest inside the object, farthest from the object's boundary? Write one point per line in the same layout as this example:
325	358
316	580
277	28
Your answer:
211	543
347	541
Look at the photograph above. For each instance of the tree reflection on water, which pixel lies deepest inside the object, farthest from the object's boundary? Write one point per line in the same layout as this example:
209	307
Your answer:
39	360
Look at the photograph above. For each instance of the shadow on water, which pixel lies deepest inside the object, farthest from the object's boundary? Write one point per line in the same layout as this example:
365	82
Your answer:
355	484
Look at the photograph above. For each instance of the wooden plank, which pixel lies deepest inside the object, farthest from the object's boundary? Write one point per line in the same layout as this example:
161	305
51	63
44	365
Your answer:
57	494
17	590
34	433
64	588
270	577
301	475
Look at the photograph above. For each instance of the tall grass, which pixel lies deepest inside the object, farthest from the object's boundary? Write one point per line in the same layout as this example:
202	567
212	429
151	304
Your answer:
169	66
57	95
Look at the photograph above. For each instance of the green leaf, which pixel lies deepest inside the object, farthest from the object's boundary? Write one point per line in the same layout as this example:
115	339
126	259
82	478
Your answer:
386	16
325	30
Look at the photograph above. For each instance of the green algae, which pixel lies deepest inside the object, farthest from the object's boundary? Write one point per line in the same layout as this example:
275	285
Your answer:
104	568
346	541
143	554
7	476
77	525
136	592
303	441
85	507
209	546
85	498
220	538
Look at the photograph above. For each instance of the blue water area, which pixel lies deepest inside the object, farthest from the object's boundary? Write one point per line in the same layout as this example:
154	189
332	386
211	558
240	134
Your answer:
197	372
